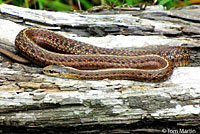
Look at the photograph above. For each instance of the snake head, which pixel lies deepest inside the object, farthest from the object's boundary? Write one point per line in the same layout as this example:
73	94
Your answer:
60	71
51	70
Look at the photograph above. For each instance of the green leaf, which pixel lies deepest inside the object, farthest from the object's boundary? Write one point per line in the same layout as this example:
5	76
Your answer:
18	2
171	4
131	2
117	3
163	2
86	4
186	2
40	4
26	3
56	5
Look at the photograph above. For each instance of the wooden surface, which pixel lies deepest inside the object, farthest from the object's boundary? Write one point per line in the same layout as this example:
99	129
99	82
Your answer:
30	100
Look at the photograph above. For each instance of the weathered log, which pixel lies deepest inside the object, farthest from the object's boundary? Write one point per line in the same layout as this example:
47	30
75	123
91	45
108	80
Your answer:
30	99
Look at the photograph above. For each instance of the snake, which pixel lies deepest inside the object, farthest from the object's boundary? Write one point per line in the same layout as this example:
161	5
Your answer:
69	58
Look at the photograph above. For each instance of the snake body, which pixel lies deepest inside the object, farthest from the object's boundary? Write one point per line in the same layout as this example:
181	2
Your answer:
45	48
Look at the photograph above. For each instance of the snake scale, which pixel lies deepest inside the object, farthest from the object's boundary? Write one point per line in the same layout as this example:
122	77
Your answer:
70	58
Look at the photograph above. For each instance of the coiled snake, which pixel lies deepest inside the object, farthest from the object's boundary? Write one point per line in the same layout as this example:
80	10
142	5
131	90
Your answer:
45	48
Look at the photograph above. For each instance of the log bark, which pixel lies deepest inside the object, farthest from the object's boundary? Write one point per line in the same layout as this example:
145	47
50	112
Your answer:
33	102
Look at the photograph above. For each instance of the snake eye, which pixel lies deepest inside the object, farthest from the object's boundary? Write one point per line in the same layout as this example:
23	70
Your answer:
52	71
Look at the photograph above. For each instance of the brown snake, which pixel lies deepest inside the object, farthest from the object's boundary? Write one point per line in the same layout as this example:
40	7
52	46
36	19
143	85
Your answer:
45	48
